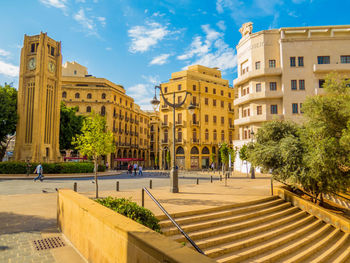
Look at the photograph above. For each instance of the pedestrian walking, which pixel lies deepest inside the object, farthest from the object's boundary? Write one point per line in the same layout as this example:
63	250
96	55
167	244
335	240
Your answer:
129	169
39	171
135	168
140	170
28	166
212	166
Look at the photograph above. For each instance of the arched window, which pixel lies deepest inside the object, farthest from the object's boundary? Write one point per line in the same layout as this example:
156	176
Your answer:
89	96
206	135
205	150
77	95
103	96
214	135
103	110
194	150
88	109
180	150
64	94
222	136
179	135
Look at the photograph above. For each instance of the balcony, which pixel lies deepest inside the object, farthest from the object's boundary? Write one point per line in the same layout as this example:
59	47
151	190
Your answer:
325	68
137	122
165	107
127	132
121	117
180	123
258	96
132	133
257	73
195	123
136	134
115	115
196	105
231	110
132	120
178	141
231	127
165	141
258	118
127	119
165	124
120	131
194	140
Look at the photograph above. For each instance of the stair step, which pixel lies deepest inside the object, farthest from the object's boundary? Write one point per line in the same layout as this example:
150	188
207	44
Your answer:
219	214
291	212
219	208
342	255
227	220
292	251
269	226
300	227
324	257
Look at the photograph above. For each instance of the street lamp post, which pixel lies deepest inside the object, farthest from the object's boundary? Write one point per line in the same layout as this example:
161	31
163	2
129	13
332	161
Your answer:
174	180
252	175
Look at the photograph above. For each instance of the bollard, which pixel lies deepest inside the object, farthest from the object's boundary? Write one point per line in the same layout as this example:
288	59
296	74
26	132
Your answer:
150	184
220	177
75	187
225	179
197	180
117	186
271	186
211	178
143	198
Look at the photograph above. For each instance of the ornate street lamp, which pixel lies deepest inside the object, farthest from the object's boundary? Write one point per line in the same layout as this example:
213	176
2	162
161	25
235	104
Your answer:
252	175
174	180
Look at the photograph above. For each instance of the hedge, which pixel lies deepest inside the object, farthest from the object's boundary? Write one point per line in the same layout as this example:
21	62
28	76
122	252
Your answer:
130	209
49	168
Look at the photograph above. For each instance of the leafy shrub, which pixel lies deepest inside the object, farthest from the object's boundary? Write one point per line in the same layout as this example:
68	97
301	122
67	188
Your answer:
49	168
130	209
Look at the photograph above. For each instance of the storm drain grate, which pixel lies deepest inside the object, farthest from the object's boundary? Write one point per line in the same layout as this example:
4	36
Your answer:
48	243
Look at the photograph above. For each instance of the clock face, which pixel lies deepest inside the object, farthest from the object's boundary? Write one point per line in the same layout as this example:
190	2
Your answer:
52	67
32	63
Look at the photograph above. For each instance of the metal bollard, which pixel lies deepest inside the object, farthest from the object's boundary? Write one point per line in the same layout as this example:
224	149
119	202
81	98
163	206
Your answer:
150	184
75	187
197	180
211	178
271	186
117	186
225	179
143	198
220	177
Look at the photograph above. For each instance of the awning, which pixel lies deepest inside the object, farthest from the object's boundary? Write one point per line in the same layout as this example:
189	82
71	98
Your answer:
128	159
75	158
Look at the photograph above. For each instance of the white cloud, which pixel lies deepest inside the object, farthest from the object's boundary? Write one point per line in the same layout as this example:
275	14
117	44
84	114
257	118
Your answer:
144	37
86	22
158	14
4	53
151	79
142	94
210	51
292	14
55	3
221	25
102	20
8	69
108	48
160	60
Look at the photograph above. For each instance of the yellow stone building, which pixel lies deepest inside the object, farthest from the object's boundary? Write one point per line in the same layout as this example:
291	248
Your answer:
198	135
278	68
154	137
39	88
129	124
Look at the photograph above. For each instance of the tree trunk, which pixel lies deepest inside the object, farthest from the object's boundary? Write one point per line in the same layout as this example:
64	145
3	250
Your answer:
96	182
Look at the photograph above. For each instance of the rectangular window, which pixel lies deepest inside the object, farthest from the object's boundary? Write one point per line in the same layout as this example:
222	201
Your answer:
206	89
179	87
222	120
214	103
295	108
257	65
301	108
52	51
206	101
214	91
301	84
344	59
273	86
301	61
323	60
320	83
32	48
259	110
258	87
206	118
194	101
294	84
194	87
165	89
222	104
222	93
214	119
292	61
273	109
229	94
272	63
179	99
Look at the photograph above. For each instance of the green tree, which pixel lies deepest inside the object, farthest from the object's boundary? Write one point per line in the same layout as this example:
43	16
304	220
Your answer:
168	159
326	137
156	161
95	141
212	157
243	154
225	151
70	126
8	115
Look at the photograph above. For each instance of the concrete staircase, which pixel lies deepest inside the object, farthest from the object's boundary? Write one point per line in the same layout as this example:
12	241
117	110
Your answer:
266	230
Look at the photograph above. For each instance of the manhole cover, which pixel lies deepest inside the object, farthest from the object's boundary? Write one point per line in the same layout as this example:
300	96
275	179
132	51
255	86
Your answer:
48	243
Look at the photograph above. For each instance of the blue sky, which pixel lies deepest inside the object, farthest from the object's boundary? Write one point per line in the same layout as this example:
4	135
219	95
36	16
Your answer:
140	43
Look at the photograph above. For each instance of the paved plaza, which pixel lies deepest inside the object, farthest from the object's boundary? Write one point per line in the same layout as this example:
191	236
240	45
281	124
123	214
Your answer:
27	213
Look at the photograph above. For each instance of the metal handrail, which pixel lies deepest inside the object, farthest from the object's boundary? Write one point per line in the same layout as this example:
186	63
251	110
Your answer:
173	221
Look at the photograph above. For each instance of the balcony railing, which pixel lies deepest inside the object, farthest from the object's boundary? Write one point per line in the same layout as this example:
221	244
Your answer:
195	140
195	122
231	110
179	141
165	141
127	132
127	119
121	117
180	123
165	124
231	126
132	133
165	107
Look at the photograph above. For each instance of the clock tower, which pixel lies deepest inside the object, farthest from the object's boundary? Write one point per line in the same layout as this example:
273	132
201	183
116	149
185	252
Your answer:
37	134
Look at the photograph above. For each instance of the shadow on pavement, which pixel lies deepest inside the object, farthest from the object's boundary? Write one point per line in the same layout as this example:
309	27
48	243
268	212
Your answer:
11	223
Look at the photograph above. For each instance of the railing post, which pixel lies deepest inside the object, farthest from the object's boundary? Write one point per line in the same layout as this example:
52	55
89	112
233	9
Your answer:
150	184
197	180
143	198
75	187
211	178
271	185
220	177
117	186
